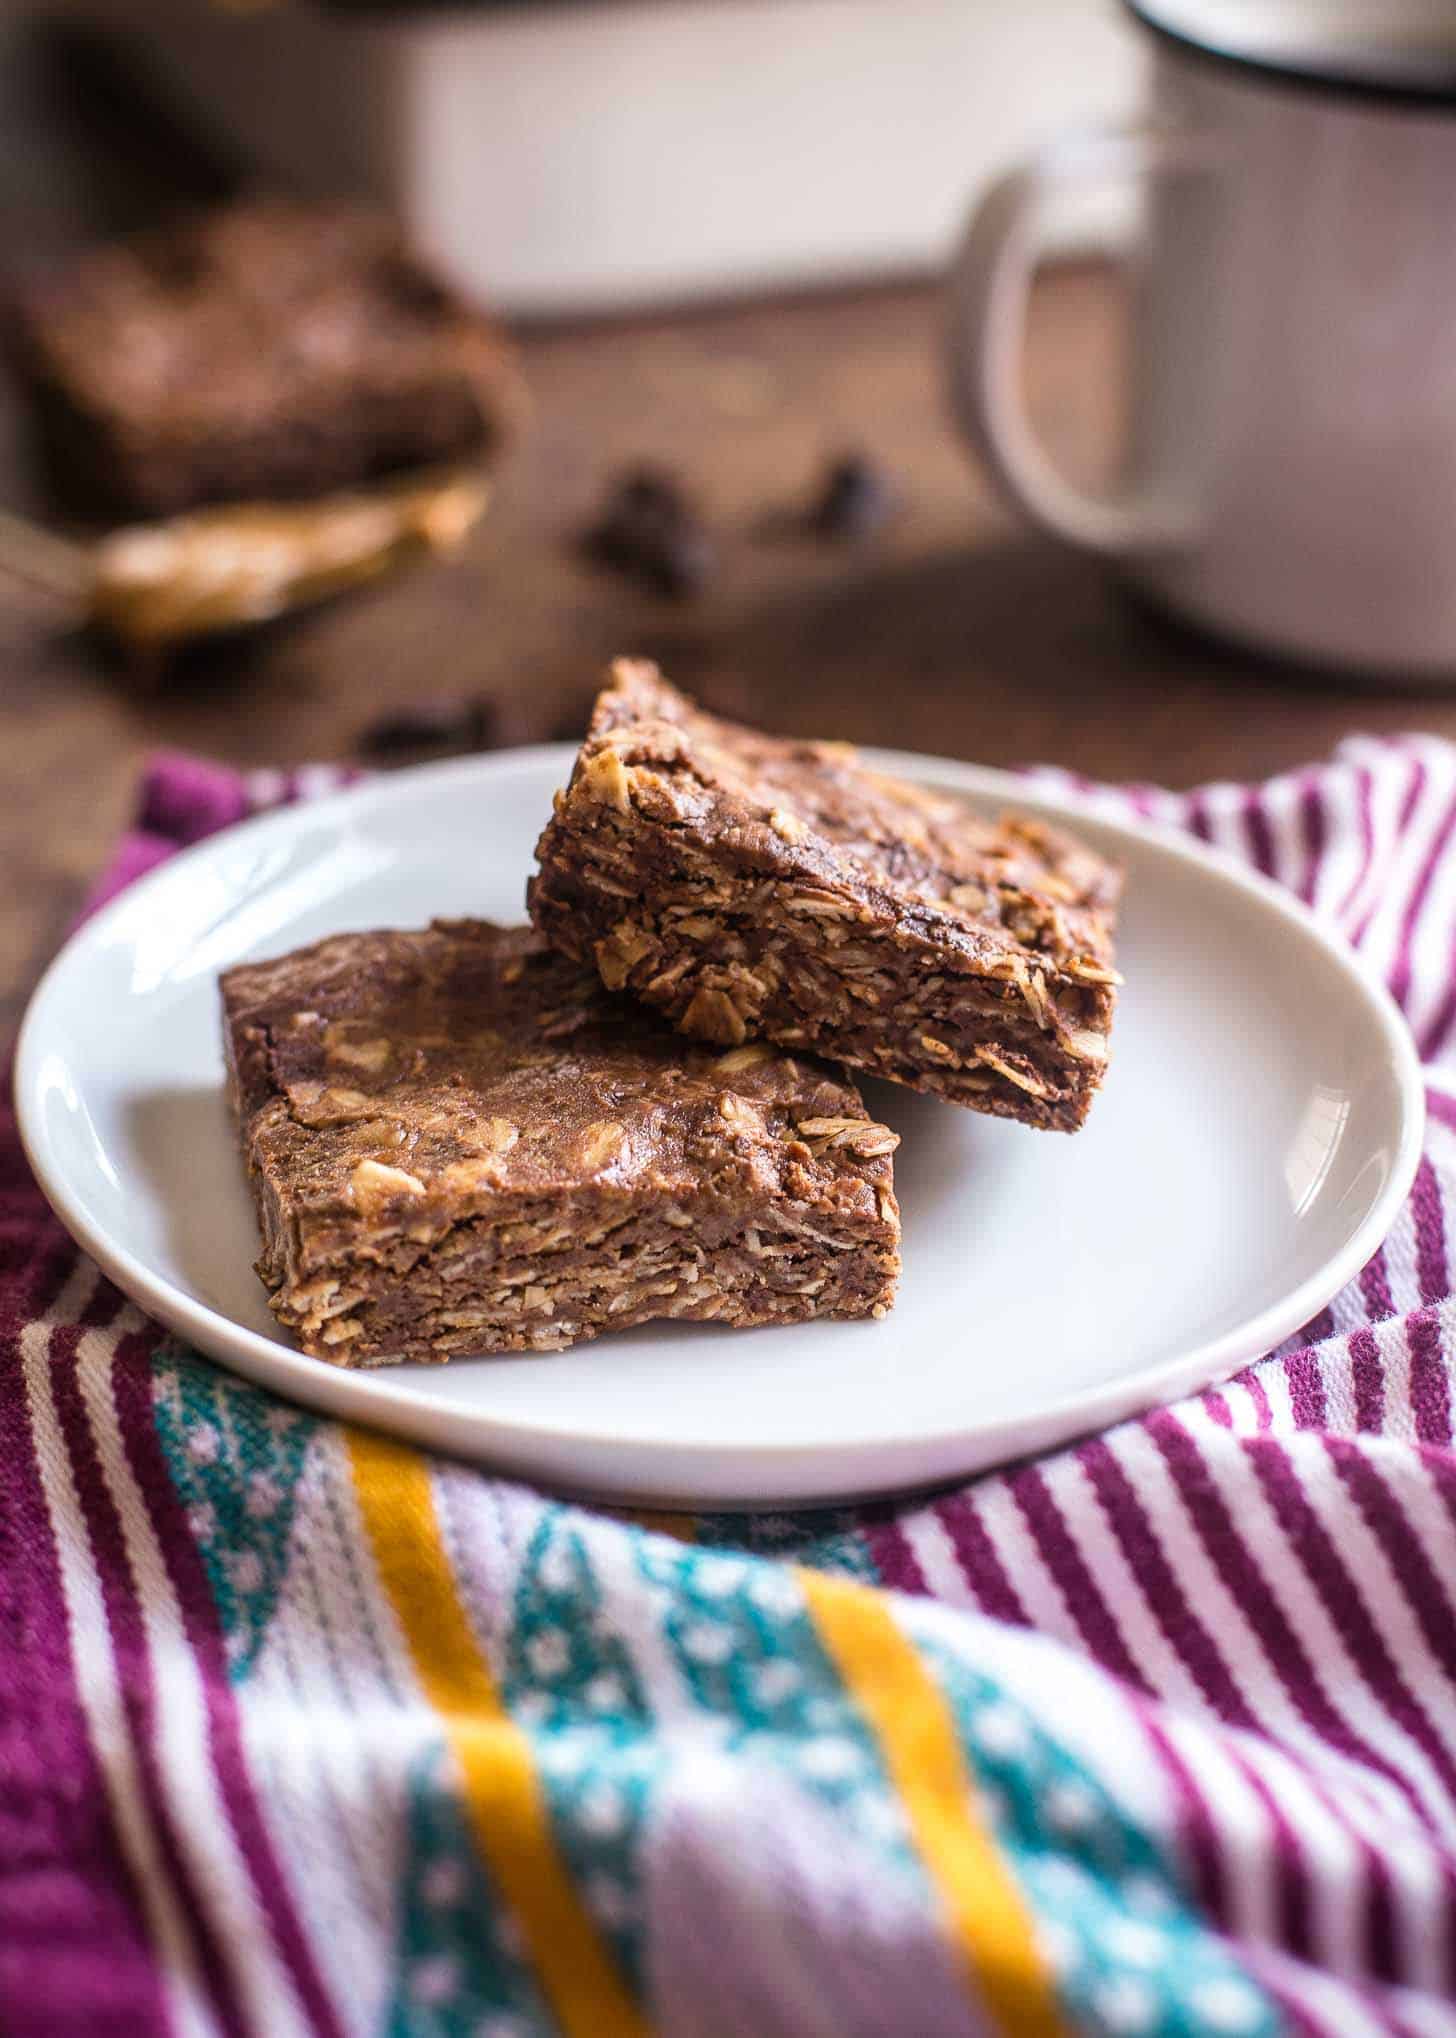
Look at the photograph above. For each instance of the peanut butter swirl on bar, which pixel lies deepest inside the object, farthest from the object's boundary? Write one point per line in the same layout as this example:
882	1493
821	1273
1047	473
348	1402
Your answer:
751	888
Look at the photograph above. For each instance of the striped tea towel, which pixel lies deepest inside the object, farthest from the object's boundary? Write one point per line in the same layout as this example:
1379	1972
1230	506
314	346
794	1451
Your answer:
305	1732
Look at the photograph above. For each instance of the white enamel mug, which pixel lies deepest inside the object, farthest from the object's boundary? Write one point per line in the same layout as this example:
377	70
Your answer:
1291	471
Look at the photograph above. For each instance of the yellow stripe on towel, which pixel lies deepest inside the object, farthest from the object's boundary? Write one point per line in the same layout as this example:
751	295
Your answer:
508	1814
912	1723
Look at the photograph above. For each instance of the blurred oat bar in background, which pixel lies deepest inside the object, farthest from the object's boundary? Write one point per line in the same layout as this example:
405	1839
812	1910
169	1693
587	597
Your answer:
264	350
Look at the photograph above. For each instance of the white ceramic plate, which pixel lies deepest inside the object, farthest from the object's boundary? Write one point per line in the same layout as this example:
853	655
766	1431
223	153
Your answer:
1259	1127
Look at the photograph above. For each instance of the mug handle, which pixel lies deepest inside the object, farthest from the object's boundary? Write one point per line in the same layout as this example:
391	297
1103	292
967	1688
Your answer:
990	284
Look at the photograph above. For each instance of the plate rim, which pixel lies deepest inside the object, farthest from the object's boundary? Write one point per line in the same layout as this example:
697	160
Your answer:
360	1394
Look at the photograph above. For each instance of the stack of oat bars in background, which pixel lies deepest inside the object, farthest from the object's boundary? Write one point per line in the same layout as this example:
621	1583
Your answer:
285	395
486	1139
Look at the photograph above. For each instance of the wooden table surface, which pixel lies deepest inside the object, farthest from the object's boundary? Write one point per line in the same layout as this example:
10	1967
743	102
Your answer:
957	631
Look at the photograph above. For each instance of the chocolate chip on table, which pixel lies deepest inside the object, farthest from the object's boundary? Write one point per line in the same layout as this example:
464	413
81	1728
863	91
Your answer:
461	722
568	723
651	532
857	499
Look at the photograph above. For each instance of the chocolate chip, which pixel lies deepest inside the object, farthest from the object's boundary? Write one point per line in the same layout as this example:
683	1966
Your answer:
568	724
449	723
651	532
857	500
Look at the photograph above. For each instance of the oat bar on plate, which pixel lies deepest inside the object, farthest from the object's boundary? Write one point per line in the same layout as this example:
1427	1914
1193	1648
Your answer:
457	1142
749	887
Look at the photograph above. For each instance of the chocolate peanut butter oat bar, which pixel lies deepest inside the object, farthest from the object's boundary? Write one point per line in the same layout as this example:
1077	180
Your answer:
751	888
267	350
458	1142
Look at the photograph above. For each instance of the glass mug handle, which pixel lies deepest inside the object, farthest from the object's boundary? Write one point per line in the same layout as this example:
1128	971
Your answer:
990	284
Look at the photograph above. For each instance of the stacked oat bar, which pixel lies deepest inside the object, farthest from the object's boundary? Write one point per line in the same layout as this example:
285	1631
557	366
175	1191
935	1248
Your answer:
481	1139
747	887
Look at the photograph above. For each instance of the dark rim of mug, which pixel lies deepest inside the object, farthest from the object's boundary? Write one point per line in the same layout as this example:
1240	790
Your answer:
1414	94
